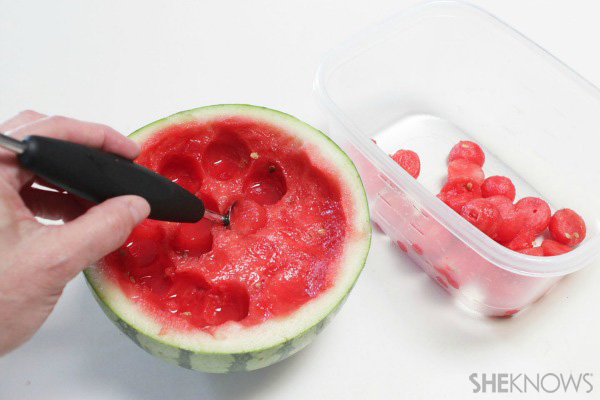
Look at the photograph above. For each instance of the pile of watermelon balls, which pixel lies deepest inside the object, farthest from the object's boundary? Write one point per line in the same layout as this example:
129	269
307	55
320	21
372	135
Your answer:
487	203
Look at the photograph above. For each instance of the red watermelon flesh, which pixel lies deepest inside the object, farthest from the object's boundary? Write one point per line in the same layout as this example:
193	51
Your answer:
203	275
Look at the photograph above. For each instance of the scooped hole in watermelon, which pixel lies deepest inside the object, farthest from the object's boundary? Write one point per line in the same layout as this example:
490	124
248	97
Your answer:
193	299
149	277
157	284
193	239
226	157
143	247
265	183
141	252
226	302
182	170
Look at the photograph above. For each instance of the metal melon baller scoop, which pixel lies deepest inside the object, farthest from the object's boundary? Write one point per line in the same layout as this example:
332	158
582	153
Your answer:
96	175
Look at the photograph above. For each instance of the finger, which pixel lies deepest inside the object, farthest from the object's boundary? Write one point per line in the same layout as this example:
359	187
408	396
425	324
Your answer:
102	229
52	205
22	118
12	208
86	133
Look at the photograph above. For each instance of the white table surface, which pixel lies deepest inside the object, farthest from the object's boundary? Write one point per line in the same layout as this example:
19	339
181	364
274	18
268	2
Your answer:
126	63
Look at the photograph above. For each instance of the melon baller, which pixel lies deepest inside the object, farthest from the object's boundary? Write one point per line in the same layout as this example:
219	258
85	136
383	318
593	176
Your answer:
96	175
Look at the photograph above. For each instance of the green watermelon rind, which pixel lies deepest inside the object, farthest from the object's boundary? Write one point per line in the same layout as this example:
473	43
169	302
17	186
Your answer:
217	362
221	362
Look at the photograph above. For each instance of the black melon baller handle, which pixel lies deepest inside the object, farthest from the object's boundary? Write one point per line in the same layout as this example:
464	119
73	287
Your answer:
96	175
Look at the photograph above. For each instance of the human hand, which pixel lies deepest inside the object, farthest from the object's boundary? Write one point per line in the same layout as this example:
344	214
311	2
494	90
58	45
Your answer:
36	260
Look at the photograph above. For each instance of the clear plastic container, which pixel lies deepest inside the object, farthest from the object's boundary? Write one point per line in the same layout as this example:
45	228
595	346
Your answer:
447	71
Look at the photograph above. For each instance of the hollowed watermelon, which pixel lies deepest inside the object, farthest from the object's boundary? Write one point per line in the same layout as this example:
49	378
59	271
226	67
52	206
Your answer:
221	299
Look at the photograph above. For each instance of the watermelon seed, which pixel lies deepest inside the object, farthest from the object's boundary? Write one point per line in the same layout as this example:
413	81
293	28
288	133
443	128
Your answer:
132	279
254	156
271	168
576	235
122	252
469	186
186	313
321	231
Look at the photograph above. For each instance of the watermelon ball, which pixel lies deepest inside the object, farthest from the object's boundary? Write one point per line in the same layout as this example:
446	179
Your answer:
418	249
498	186
442	282
482	214
536	211
567	227
247	216
511	221
461	167
193	239
534	251
409	161
402	246
523	240
469	151
447	273
554	248
459	191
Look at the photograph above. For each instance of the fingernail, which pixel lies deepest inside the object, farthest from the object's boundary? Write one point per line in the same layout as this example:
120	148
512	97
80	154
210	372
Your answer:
139	209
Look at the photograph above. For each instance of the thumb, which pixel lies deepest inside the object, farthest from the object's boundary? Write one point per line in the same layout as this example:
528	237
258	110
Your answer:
102	229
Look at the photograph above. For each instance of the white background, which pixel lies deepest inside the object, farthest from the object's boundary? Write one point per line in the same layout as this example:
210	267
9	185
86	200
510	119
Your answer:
128	63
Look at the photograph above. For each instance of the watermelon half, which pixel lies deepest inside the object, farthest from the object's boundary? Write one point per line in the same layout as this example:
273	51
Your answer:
219	299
